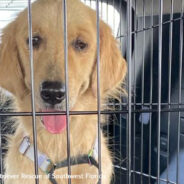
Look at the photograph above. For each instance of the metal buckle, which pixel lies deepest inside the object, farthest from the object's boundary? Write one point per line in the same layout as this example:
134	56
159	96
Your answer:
25	145
50	167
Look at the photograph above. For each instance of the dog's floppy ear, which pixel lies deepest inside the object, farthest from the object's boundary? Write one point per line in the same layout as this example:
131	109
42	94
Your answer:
112	64
11	76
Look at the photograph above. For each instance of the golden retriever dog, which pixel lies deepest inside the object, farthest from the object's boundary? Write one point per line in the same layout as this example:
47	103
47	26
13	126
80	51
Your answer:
49	75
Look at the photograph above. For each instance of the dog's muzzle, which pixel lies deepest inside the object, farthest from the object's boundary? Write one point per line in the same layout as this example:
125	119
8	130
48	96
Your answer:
53	94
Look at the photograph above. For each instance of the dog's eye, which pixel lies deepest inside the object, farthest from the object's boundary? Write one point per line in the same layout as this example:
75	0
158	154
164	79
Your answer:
36	40
79	45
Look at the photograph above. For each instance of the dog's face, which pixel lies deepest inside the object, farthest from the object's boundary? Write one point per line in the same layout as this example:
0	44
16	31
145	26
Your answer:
48	45
49	62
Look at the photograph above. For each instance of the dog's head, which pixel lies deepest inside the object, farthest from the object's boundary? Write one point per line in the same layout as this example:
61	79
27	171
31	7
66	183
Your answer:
49	64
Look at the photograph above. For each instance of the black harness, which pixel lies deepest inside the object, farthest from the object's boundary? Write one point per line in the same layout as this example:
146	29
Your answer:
47	166
82	159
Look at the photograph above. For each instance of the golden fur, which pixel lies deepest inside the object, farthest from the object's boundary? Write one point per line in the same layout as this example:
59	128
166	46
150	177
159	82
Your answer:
49	65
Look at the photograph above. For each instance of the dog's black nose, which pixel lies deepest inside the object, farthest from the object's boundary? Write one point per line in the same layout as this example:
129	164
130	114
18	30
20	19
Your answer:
52	92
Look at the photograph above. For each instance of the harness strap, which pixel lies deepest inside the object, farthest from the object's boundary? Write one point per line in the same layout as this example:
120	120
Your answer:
27	149
46	165
81	159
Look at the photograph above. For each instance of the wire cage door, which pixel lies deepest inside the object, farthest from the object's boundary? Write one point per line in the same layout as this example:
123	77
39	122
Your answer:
146	128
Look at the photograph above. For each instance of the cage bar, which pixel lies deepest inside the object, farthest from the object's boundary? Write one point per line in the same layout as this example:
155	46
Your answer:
169	84
142	91
159	86
179	95
98	91
120	106
66	85
129	60
151	93
33	92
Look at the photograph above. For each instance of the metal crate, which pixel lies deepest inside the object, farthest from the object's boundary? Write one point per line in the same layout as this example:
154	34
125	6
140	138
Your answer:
146	129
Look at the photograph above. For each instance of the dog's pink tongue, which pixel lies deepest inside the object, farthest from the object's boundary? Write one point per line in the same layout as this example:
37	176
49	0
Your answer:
55	124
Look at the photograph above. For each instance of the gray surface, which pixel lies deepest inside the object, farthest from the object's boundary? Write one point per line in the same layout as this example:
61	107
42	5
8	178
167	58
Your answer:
172	169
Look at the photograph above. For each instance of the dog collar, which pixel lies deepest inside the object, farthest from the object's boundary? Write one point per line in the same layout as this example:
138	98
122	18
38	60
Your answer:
47	166
27	149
